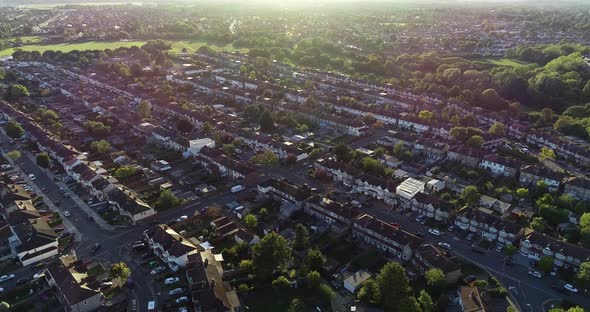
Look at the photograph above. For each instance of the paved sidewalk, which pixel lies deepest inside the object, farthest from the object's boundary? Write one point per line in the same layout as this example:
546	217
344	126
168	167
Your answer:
81	204
67	224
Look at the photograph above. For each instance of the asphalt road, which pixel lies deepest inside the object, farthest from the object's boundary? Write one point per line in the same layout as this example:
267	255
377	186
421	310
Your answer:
530	292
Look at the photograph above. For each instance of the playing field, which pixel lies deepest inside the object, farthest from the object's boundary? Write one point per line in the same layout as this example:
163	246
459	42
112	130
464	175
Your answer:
177	46
67	47
502	61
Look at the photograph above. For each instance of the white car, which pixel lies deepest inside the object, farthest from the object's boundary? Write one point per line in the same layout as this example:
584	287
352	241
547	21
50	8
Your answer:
171	280
182	299
434	232
4	278
157	270
39	275
183	309
176	291
32	177
67	213
444	245
181	218
536	274
106	284
570	287
1	290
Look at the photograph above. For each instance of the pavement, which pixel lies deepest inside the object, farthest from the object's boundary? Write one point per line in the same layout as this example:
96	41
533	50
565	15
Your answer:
530	292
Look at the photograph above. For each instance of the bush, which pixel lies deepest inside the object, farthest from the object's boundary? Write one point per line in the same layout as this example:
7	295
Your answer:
243	287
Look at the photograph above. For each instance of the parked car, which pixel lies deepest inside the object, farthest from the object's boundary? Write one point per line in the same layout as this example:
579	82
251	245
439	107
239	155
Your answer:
237	188
451	228
182	299
32	177
39	275
171	280
181	218
444	245
176	291
106	284
499	248
67	213
570	287
59	229
536	274
147	255
469	236
157	270
6	277
182	309
139	246
434	232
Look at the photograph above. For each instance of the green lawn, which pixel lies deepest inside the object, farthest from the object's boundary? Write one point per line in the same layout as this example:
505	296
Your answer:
192	46
67	47
502	61
31	39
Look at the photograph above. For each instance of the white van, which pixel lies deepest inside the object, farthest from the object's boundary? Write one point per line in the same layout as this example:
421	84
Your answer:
237	188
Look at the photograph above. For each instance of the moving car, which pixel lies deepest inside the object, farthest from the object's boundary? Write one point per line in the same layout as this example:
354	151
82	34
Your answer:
571	288
434	232
39	275
171	280
67	213
176	291
237	188
7	277
181	218
444	245
95	248
157	270
536	274
32	177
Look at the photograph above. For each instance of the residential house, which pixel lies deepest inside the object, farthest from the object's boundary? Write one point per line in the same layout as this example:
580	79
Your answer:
292	197
169	246
470	299
337	215
128	204
499	165
536	245
489	226
71	285
208	291
429	256
385	237
530	175
432	207
577	187
465	155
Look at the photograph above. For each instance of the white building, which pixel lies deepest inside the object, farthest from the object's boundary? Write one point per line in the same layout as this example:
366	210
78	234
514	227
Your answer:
409	188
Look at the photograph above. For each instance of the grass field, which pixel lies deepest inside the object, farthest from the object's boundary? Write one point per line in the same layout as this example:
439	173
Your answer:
67	47
192	46
502	61
31	43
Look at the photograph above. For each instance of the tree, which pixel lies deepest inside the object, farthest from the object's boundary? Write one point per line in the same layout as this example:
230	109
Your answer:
266	122
498	129
100	147
17	91
583	275
297	305
547	114
475	141
537	224
425	115
434	277
167	200
183	125
326	294
313	279
546	153
470	195
120	272
545	264
43	160
266	160
372	165
14	154
393	283
409	304
425	301
370	292
315	260
144	109
14	129
125	172
522	192
510	250
271	253
301	237
342	152
263	213
246	265
281	282
251	221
